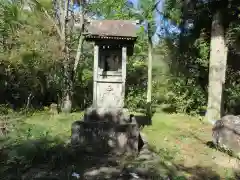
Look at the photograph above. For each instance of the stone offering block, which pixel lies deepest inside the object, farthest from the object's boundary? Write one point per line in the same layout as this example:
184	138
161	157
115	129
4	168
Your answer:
106	137
111	115
226	134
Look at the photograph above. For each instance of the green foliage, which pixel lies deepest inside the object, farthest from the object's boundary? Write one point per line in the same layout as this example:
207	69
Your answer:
31	59
110	9
173	10
190	58
231	93
233	35
5	109
136	87
185	96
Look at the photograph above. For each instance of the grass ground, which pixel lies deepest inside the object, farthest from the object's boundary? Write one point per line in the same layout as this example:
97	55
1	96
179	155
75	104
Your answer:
185	140
179	141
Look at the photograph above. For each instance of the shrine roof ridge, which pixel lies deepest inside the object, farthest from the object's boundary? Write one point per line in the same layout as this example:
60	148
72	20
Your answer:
111	29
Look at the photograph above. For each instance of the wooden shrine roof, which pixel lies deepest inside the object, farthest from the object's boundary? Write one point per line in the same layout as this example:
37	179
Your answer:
111	29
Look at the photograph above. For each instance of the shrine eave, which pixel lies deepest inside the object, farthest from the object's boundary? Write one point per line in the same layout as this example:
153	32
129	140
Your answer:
115	30
91	37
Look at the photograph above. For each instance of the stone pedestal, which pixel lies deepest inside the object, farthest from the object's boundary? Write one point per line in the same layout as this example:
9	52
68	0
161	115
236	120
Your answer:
107	130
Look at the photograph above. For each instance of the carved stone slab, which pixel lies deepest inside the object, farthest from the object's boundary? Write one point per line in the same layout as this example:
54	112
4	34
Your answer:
109	95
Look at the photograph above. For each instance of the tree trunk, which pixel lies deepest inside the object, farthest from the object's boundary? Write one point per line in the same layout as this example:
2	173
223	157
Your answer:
217	70
81	38
68	81
149	83
79	52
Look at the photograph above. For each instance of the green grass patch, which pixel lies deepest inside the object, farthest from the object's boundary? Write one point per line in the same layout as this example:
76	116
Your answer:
179	142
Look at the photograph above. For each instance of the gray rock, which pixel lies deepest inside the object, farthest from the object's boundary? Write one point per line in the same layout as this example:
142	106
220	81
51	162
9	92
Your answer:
76	133
66	106
53	108
226	134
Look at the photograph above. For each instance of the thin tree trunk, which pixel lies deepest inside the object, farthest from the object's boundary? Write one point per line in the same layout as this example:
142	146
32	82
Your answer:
79	52
81	38
217	70
149	85
68	84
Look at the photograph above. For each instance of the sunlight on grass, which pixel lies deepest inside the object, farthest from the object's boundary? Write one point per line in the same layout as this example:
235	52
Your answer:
184	139
42	124
55	125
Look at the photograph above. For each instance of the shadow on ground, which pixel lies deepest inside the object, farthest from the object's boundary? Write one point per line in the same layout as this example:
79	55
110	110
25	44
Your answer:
211	145
44	159
143	120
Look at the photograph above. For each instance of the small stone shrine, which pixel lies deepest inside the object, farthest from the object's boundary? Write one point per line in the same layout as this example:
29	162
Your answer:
107	126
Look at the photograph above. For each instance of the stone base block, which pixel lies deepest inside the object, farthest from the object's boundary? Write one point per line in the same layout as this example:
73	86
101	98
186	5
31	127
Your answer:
111	115
106	137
